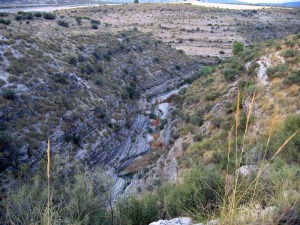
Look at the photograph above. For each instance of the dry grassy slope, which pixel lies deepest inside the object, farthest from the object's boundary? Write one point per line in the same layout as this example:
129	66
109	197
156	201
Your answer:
272	71
80	89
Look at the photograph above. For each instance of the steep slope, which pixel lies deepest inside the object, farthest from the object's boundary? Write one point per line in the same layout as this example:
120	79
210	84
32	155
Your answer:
86	91
237	156
271	72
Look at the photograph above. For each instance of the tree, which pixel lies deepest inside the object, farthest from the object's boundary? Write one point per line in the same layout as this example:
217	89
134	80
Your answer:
135	1
237	47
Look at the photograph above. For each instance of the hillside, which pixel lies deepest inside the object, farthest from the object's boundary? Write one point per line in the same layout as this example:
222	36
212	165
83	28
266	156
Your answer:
131	114
237	156
81	90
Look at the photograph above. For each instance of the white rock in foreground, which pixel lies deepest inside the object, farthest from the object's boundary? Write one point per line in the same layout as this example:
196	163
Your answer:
176	221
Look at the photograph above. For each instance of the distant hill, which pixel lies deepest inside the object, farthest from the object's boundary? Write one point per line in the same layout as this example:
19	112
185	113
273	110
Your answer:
291	4
226	1
287	4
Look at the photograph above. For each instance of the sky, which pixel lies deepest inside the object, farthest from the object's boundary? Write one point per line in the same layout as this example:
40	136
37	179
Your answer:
269	1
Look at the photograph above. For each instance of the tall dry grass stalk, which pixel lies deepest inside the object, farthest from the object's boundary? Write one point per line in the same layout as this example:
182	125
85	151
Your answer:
266	149
231	200
48	179
229	149
237	116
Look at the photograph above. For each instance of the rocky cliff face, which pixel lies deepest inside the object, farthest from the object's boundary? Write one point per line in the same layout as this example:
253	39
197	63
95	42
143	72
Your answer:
86	92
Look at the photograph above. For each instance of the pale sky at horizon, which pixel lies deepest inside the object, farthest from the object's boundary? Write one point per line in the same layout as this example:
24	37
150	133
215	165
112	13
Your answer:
269	1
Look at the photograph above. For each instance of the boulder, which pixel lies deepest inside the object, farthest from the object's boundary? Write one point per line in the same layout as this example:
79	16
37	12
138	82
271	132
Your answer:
176	221
213	222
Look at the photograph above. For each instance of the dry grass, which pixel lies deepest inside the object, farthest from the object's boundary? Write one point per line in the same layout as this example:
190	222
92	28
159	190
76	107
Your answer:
48	183
234	196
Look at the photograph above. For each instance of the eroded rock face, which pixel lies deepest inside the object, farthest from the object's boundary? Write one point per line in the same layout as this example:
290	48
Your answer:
93	101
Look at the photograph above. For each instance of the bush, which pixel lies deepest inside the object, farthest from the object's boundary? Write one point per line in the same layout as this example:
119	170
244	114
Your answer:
230	74
63	23
87	68
99	80
291	151
196	119
130	92
49	16
290	53
72	60
237	48
197	137
80	198
94	26
8	94
200	193
4	21
18	17
95	22
277	71
204	71
212	96
293	78
142	211
6	150
37	14
3	14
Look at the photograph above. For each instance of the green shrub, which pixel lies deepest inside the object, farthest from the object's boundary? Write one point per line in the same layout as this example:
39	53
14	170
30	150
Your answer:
293	78
130	92
87	68
3	14
99	80
8	94
142	211
63	23
6	150
72	60
238	47
277	71
37	14
60	78
200	193
49	16
95	22
290	53
212	96
94	26
291	151
81	58
80	198
196	118
230	74
204	71
18	17
197	137
4	21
